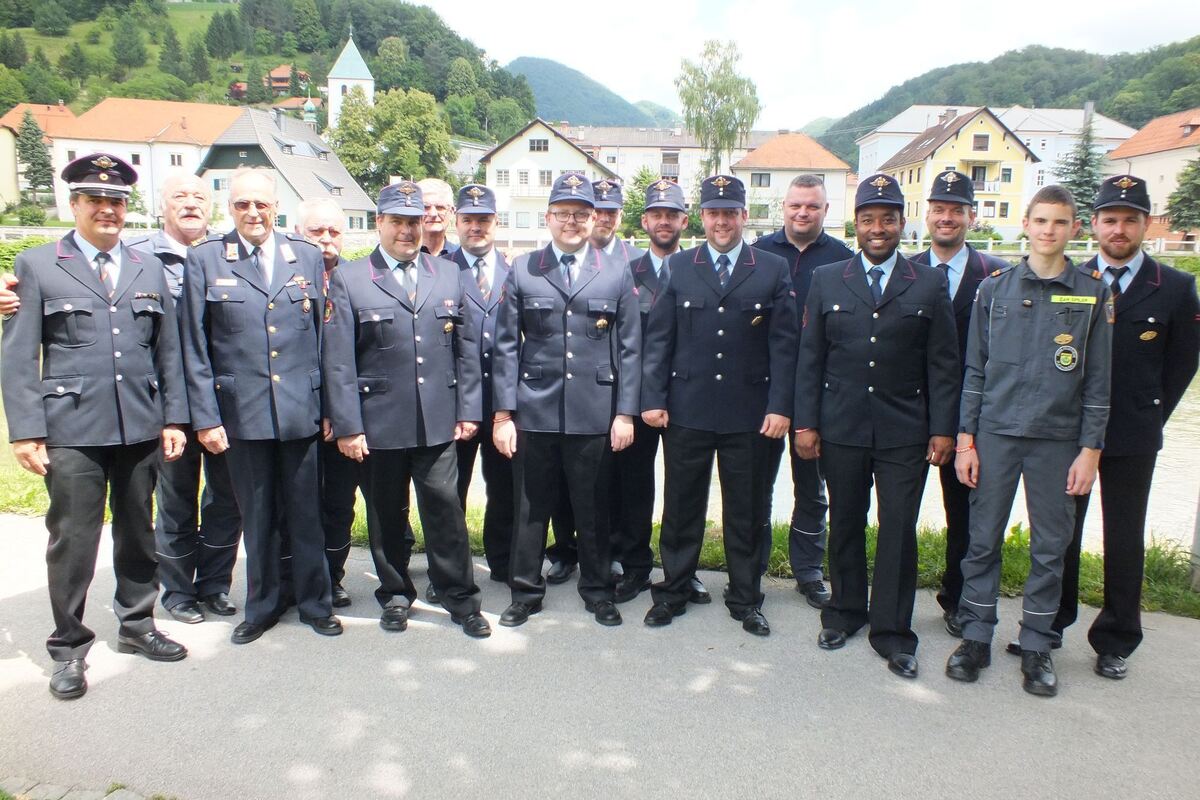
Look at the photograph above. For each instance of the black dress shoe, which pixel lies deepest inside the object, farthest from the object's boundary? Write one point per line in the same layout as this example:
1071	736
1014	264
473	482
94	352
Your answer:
473	625
559	572
498	577
219	604
153	645
966	661
755	623
431	596
629	587
953	626
1109	665
394	619
187	612
326	626
518	613
1014	648
1038	669
700	595
814	592
606	612
68	682
247	632
831	639
341	598
661	614
903	664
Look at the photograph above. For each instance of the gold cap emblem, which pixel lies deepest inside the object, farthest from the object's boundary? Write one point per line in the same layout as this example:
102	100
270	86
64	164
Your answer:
475	193
1148	336
1125	183
103	162
662	185
950	178
573	181
880	182
721	182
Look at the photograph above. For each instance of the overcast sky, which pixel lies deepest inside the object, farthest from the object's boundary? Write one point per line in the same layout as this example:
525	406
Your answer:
807	59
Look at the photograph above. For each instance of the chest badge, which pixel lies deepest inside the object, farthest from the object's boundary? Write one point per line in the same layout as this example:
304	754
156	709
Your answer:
306	306
328	310
231	251
1149	336
448	327
601	324
757	320
1064	338
1066	358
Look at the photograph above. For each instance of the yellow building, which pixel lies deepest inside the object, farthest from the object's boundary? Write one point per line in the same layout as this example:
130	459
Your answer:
979	145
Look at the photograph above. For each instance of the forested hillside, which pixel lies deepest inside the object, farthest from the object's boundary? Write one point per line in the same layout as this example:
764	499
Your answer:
565	94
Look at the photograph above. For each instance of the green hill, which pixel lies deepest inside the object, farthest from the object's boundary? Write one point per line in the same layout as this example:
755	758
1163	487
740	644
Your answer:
1130	87
663	117
565	94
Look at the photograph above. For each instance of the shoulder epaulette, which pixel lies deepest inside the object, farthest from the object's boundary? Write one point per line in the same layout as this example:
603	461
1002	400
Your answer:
212	237
1096	274
295	237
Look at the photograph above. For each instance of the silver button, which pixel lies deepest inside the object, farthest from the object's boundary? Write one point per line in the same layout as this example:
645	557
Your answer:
570	376
67	306
720	355
487	355
720	333
570	355
672	373
870	388
757	306
524	374
569	312
366	388
120	378
416	316
872	340
420	360
112	309
487	335
535	305
718	376
837	307
826	384
417	338
1150	320
420	380
485	374
720	309
116	331
60	389
871	364
375	318
116	354
920	311
1157	401
875	315
570	334
687	303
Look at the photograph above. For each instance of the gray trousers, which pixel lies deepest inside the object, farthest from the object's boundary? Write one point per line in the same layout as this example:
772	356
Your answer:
1043	464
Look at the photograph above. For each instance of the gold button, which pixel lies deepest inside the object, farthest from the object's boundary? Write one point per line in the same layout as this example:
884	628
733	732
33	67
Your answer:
274	354
270	305
224	297
270	329
275	378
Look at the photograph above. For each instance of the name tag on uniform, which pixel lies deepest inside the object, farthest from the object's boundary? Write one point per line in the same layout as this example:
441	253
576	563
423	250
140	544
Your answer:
227	282
1072	298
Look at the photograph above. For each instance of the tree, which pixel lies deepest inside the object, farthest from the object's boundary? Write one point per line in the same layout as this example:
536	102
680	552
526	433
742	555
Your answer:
504	118
197	60
170	57
39	58
42	86
1183	206
1079	170
74	64
412	136
264	42
309	34
354	142
223	36
15	55
288	45
635	201
50	19
461	113
107	18
153	87
461	78
390	63
256	90
11	90
294	88
128	46
33	154
719	106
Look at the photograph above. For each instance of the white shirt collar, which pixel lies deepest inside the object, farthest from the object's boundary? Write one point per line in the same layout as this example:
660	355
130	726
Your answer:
733	254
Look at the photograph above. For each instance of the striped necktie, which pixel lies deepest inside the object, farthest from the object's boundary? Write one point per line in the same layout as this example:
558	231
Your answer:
481	278
723	269
100	265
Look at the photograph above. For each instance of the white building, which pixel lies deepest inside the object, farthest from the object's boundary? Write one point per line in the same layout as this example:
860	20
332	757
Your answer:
1157	154
769	170
348	71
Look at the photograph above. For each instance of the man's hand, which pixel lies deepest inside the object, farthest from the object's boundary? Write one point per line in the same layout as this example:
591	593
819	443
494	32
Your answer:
621	434
326	430
31	454
941	450
966	461
354	447
808	444
173	442
504	436
775	426
214	440
9	302
655	418
1082	475
465	430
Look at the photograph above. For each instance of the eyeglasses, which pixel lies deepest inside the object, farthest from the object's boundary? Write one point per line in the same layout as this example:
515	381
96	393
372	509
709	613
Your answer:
571	216
259	205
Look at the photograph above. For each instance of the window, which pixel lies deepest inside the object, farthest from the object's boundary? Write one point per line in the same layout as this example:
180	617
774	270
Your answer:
980	141
761	180
1043	147
322	156
759	211
918	174
70	155
522	177
345	89
1004	210
539	145
910	180
502	219
220	184
336	191
1041	177
286	149
541	220
989	209
1006	174
281	221
502	177
522	219
979	175
356	223
545	177
610	159
176	159
242	153
135	159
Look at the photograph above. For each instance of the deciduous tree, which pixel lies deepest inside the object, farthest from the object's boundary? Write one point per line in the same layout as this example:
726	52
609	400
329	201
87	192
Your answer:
719	105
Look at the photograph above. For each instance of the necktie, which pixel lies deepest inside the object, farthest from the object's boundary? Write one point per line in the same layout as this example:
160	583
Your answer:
568	263
256	260
1117	273
481	278
723	269
408	278
106	277
664	272
945	268
876	274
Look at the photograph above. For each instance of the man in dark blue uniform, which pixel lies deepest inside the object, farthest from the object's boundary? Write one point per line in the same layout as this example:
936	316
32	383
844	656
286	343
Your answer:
483	270
566	383
402	381
718	375
876	387
92	382
803	243
950	213
1156	344
252	321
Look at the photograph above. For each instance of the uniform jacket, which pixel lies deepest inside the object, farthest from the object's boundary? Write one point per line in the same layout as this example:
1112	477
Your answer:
403	372
483	314
646	285
159	244
110	371
1038	357
573	383
722	359
979	266
878	377
252	351
825	250
1156	342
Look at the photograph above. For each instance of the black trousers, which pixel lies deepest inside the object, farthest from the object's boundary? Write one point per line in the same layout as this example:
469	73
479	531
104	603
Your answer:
78	481
632	501
196	544
277	486
742	466
1125	494
498	483
340	479
898	473
807	536
433	471
565	549
543	465
956	500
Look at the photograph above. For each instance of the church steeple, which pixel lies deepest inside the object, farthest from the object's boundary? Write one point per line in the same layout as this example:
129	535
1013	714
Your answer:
348	71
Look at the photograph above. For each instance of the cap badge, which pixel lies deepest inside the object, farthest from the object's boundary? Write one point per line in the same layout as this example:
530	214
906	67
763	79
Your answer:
1125	182
662	185
573	181
407	189
103	162
103	176
475	193
880	182
721	182
949	178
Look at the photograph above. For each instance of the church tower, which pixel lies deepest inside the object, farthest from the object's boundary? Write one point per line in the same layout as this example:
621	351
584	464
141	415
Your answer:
348	71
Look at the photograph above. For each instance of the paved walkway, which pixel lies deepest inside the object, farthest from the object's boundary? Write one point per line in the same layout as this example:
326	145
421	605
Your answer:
565	708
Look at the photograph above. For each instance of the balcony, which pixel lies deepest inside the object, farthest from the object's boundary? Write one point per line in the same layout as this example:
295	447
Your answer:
529	191
989	187
669	170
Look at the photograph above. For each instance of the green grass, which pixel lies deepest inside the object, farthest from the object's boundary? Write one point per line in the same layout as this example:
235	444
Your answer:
187	18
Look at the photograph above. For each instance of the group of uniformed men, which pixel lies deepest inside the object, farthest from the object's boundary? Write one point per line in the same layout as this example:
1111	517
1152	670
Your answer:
292	380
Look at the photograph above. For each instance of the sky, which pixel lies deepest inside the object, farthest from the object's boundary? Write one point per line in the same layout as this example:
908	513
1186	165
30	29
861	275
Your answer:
807	59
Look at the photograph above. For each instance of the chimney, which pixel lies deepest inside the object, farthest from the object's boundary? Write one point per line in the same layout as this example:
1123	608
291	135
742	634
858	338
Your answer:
60	103
946	116
183	123
783	131
277	113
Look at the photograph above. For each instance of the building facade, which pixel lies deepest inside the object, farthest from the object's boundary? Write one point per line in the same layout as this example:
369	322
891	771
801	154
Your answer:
52	119
348	71
769	169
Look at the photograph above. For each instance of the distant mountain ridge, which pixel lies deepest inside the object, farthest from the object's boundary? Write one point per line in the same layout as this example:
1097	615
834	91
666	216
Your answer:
563	94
